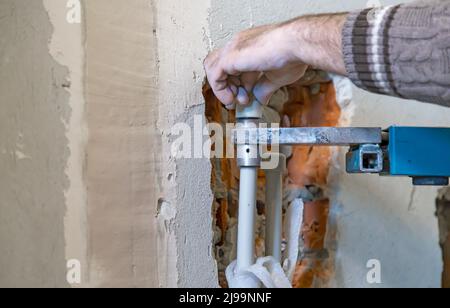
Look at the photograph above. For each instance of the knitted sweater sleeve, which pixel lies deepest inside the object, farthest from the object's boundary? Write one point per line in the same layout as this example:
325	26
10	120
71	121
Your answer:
401	50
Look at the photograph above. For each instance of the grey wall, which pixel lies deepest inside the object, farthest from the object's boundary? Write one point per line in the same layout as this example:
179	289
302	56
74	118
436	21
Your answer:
34	149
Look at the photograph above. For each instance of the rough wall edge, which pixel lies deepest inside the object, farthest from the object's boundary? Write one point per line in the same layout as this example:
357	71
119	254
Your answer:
67	48
344	97
183	36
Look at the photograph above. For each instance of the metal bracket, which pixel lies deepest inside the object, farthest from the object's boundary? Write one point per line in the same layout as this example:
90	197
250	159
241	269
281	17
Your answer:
398	151
367	158
313	136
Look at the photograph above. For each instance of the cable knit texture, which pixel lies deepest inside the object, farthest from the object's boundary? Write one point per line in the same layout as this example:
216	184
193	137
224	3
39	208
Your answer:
401	50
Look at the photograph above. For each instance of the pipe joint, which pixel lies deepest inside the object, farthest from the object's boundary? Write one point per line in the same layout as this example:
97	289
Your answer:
248	117
248	154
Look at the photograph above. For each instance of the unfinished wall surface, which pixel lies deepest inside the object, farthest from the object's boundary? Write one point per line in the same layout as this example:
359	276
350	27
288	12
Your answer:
149	213
34	149
123	143
67	48
371	217
183	43
88	105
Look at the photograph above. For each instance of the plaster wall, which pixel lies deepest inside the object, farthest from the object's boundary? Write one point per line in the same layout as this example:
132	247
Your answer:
36	143
87	112
67	48
183	43
122	152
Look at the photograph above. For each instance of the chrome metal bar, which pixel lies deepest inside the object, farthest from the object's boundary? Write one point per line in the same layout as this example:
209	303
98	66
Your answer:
325	136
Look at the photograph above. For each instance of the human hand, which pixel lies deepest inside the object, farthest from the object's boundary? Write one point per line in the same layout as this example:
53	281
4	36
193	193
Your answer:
256	62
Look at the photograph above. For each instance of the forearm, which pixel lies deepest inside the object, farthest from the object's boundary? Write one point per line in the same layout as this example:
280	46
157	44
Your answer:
318	41
401	50
398	51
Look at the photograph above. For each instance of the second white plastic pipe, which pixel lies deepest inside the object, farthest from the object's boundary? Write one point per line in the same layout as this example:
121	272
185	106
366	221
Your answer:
274	213
247	206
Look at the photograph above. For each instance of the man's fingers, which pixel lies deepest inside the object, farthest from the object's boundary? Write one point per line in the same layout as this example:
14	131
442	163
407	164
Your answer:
234	89
218	79
274	80
225	95
243	85
234	80
248	80
242	98
264	90
232	85
220	85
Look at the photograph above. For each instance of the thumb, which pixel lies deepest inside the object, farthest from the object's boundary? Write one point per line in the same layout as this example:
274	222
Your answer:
270	82
264	90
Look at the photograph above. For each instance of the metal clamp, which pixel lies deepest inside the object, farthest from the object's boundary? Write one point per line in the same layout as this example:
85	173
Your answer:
367	158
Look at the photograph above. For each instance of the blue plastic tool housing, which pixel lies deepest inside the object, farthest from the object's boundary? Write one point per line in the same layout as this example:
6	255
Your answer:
419	152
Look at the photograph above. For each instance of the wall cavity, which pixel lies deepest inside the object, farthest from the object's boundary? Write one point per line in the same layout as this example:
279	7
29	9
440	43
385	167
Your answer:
312	104
309	103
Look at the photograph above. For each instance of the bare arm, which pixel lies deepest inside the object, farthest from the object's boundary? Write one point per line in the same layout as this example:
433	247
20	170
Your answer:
318	41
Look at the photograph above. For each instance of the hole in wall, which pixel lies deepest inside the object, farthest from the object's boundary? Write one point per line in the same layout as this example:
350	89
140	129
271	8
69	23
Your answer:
306	104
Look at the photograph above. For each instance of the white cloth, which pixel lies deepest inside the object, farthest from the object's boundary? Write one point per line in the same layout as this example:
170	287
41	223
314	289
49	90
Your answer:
268	272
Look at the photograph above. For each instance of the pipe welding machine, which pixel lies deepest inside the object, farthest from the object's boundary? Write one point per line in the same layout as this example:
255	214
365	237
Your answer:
422	153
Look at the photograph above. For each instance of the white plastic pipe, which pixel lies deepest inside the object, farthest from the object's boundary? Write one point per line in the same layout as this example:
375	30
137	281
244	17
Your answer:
246	223
274	208
249	165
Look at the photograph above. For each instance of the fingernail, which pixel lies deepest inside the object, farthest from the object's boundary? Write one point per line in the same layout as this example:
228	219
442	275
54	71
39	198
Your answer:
242	96
234	89
261	94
